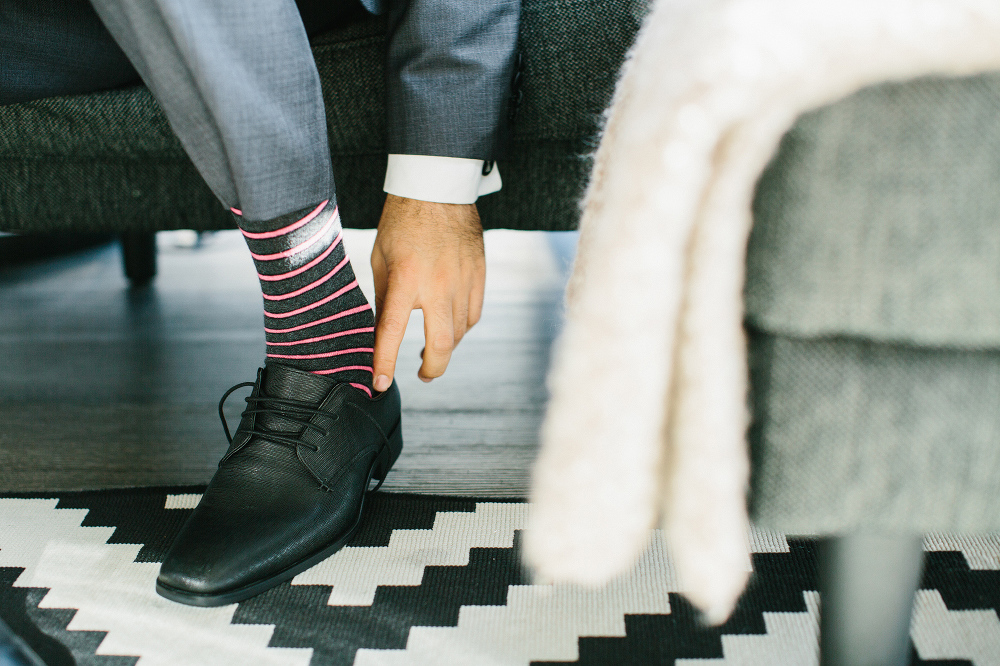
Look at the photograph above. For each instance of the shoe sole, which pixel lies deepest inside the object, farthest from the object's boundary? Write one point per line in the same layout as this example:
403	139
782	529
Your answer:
381	465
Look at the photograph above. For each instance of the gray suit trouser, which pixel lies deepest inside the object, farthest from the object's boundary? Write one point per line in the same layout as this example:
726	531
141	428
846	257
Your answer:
247	61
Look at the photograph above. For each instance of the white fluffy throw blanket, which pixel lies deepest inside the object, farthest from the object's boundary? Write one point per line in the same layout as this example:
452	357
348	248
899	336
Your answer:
648	413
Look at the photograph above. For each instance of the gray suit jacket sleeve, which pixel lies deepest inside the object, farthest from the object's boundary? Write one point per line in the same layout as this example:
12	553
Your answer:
449	71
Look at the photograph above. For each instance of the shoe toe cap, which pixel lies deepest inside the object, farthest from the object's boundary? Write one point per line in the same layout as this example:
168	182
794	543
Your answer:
196	566
222	550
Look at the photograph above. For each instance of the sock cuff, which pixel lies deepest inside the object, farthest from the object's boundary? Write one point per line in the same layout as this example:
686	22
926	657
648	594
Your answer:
284	224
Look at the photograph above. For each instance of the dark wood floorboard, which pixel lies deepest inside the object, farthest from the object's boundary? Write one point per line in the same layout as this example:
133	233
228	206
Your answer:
106	386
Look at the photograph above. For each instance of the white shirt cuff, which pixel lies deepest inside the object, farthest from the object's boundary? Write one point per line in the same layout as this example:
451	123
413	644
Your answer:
455	180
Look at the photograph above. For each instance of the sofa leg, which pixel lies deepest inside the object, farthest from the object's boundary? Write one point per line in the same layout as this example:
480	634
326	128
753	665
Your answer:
139	256
867	584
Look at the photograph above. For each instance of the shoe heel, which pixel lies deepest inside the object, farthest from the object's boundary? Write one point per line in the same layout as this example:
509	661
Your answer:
387	458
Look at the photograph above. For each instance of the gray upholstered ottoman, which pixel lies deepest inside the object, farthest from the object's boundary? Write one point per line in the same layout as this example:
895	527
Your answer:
873	300
873	313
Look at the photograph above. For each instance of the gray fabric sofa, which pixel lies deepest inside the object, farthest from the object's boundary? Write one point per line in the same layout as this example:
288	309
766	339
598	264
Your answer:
109	162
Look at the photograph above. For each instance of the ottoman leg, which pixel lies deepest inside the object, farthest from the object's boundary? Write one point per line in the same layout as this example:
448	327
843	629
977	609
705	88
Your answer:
867	584
139	256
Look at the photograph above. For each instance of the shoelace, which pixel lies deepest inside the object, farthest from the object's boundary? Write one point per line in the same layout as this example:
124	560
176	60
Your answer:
300	412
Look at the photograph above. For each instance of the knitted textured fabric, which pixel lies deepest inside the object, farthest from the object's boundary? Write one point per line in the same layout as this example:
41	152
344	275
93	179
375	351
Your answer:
316	318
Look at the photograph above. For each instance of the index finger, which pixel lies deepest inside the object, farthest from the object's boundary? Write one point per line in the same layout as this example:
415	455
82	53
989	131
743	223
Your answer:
390	326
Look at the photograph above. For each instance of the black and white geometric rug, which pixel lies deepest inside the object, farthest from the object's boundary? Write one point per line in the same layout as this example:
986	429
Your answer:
432	581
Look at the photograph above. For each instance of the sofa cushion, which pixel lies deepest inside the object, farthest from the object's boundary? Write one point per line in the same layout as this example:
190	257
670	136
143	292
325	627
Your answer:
879	217
850	434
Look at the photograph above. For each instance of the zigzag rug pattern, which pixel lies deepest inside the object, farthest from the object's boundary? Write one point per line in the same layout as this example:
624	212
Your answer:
433	580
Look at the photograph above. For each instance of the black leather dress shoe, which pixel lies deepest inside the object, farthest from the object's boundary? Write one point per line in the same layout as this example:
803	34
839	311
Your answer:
290	490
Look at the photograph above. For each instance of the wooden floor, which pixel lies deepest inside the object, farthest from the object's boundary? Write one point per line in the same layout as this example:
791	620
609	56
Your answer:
105	386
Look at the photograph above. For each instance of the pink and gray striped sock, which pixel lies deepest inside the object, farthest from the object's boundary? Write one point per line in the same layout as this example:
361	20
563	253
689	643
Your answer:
315	316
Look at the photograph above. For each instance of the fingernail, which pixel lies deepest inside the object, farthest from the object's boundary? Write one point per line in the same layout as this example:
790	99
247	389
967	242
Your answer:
425	380
381	383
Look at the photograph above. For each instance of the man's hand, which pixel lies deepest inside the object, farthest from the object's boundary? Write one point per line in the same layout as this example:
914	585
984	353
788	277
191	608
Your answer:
427	256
